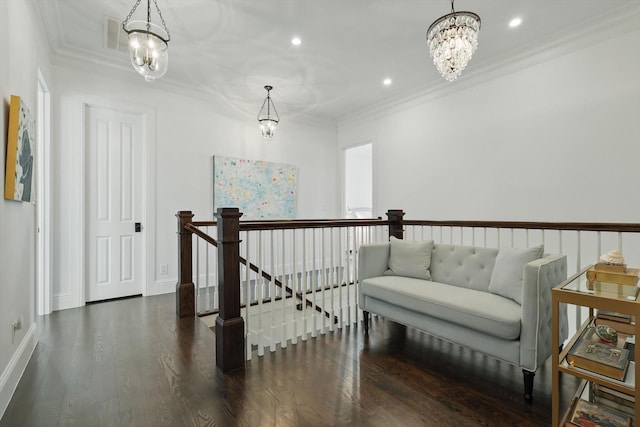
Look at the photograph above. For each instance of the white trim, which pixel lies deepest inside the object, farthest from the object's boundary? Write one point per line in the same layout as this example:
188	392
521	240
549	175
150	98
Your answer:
43	292
15	368
597	30
161	287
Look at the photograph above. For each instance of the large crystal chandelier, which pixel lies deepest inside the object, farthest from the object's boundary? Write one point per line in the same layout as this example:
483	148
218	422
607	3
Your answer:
268	116
148	44
452	40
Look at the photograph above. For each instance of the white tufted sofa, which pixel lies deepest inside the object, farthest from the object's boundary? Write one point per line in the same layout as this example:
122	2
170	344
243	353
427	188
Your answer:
457	304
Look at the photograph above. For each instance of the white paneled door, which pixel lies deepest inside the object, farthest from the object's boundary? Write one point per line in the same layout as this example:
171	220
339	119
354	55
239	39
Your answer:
115	203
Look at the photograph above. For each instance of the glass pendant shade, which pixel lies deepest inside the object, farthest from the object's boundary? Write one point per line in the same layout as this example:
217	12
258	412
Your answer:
148	51
268	116
452	40
148	44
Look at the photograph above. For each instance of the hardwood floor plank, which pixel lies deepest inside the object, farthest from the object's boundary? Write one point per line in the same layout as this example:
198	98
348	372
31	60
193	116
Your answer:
134	363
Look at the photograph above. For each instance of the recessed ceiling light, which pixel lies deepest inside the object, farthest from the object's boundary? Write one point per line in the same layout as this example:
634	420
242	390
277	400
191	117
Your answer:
386	81
515	22
296	41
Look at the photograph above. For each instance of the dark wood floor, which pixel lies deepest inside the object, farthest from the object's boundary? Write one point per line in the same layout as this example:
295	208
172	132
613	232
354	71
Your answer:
133	363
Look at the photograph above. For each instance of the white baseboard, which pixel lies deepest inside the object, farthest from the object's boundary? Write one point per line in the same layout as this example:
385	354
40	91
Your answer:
162	287
14	370
65	301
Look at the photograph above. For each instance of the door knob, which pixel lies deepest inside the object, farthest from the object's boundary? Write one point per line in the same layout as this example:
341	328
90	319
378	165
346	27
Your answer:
138	227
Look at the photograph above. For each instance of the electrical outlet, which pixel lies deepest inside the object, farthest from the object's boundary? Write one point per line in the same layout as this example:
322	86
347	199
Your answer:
164	269
16	326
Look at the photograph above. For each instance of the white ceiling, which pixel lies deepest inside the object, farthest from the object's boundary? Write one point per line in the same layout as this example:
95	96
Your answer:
230	49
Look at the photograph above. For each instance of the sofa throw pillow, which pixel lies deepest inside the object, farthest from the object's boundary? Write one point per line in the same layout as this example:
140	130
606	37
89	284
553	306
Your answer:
410	259
506	278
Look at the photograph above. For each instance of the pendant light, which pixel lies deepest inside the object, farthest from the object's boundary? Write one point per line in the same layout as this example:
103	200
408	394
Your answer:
268	116
148	43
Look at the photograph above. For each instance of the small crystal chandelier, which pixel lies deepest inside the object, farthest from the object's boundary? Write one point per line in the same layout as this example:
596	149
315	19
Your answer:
452	40
268	120
148	44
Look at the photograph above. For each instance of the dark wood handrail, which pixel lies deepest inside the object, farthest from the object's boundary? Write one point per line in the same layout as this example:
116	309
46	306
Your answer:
564	226
299	223
614	227
194	229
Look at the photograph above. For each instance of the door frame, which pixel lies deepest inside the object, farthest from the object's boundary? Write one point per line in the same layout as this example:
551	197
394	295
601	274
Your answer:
148	187
43	295
343	175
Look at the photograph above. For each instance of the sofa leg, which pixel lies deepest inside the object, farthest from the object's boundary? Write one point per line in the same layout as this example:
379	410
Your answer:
528	386
365	314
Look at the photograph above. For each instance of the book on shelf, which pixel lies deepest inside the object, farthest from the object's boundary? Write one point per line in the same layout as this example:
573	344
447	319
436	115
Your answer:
626	328
615	316
585	413
628	277
613	404
630	344
614	395
614	268
589	353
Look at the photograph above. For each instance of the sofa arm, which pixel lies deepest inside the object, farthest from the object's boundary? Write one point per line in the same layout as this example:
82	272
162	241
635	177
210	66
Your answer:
539	277
373	261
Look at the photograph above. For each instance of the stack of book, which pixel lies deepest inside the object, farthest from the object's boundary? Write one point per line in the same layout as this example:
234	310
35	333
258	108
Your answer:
614	399
623	323
610	274
591	353
583	413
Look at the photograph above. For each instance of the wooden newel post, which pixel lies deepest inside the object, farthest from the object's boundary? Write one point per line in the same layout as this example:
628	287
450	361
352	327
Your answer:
230	342
396	226
185	290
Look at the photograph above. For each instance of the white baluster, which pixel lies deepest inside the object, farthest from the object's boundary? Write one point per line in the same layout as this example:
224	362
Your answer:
323	275
272	292
295	286
206	272
260	292
283	292
314	283
332	280
197	241
247	299
341	275
305	324
620	241
560	241
578	268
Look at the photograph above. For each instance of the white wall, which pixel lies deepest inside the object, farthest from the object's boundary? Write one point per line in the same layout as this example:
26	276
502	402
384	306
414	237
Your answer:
23	50
185	132
555	141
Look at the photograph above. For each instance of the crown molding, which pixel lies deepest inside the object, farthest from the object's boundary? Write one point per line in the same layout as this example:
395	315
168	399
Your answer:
621	21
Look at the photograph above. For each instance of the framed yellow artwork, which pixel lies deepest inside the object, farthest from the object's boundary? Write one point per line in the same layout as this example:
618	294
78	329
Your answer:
19	174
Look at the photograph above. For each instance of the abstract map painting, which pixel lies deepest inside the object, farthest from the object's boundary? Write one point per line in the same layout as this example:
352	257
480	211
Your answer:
261	190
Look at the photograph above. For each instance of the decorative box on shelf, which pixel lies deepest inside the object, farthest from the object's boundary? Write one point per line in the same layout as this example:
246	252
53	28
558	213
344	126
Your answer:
612	275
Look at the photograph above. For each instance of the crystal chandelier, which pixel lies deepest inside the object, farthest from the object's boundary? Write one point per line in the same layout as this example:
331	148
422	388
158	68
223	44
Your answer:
268	120
148	44
452	40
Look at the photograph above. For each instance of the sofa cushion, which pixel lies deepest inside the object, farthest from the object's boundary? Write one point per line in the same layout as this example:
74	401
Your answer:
410	259
482	311
465	266
506	279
